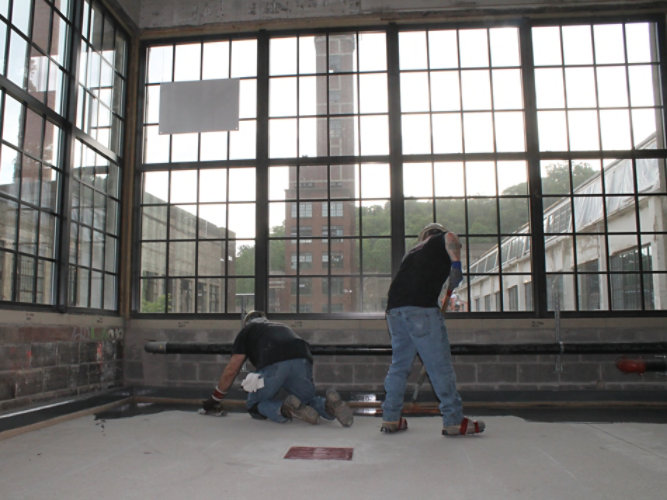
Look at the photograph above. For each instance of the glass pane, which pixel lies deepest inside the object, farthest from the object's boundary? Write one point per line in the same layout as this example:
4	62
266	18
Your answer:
451	214
282	56
9	210
156	146
445	91
213	146
417	180
7	278
447	133
478	132
215	60
443	49
514	215
560	292
247	99
343	136
183	221
474	48
184	147
9	171
110	255
243	258
182	258
482	216
412	50
415	92
40	24
514	297
310	131
510	134
640	47
153	258
17	64
449	179
372	52
244	58
615	129
507	89
210	295
375	181
549	88
160	61
211	258
481	179
552	130
181	295
187	62
242	184
416	134
241	295
580	87
583	130
153	296
375	294
183	186
373	93
242	220
476	89
418	213
612	86
376	255
484	294
212	221
282	138
609	46
282	96
243	142
374	131
577	45
504	46
546	46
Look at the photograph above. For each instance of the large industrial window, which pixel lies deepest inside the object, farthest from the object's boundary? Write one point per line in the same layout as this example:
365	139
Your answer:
462	106
329	217
44	155
541	146
198	218
599	120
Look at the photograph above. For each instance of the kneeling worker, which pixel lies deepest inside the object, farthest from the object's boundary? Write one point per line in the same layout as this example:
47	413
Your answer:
282	360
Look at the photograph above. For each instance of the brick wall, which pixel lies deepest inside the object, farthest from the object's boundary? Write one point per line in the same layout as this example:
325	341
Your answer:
571	372
39	362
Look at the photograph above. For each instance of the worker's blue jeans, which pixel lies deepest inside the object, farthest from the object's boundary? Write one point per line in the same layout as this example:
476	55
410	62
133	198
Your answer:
420	330
293	375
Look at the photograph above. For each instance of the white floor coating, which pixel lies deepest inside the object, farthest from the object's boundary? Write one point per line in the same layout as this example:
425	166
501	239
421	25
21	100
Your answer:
179	454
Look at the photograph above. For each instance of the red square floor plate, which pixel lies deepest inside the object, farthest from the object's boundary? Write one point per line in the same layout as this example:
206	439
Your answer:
319	453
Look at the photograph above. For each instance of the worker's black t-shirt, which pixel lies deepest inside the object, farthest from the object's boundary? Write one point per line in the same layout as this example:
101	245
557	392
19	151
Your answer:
265	343
421	275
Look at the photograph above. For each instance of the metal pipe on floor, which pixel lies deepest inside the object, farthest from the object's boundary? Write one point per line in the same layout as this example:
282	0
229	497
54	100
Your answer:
168	347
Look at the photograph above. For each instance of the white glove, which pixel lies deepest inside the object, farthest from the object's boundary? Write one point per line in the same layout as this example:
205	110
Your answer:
253	382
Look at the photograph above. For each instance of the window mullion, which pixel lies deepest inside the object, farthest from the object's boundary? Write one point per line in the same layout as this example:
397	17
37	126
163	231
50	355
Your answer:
395	150
534	173
68	141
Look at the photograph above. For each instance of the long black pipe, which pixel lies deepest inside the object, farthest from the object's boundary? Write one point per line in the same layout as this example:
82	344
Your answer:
165	347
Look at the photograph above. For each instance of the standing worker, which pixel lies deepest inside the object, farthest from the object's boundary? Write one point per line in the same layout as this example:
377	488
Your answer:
282	360
417	326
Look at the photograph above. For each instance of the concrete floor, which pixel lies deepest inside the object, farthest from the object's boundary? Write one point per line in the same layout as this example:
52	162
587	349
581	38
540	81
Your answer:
179	454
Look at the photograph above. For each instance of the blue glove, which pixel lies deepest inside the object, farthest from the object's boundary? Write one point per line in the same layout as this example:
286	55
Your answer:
455	275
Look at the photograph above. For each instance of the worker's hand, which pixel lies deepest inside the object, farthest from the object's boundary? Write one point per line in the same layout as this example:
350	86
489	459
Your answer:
211	405
455	275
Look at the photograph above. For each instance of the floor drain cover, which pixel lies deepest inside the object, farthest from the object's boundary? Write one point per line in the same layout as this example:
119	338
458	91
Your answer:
319	453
